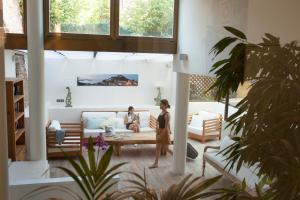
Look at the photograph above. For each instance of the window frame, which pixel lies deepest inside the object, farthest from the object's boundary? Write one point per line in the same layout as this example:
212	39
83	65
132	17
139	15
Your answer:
87	42
18	40
112	42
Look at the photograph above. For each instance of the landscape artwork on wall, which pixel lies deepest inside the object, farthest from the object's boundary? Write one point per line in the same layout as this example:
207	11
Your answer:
108	80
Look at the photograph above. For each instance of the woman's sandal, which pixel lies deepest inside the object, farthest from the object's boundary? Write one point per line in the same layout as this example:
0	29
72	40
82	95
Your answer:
153	166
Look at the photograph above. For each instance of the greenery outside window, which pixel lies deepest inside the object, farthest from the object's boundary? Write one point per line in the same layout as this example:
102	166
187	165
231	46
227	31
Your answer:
13	16
147	18
80	16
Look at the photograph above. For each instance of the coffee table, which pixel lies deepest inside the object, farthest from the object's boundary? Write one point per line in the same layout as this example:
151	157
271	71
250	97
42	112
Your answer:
122	139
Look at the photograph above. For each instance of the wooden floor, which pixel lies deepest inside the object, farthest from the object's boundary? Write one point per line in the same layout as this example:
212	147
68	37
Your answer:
142	156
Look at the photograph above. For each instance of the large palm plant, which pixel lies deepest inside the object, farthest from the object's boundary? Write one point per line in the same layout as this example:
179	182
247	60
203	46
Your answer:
268	118
229	71
93	176
187	189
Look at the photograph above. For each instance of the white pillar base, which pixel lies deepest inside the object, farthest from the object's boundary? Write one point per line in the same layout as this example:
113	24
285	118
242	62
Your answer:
181	113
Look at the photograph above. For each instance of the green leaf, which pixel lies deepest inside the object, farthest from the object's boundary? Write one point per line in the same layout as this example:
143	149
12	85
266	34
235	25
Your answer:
91	156
222	45
82	175
104	162
236	32
77	180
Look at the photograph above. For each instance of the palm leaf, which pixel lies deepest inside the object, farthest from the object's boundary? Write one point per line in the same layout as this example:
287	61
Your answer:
236	32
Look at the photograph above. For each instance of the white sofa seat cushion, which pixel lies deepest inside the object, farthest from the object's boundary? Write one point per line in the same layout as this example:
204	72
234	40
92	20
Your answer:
226	142
92	132
245	172
195	130
28	170
197	121
147	130
95	132
208	115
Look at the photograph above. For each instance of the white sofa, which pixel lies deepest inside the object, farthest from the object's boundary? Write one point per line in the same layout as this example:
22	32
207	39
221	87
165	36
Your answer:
216	159
91	122
204	125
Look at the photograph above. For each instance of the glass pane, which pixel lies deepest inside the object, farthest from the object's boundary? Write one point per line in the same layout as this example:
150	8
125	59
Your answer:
80	16
148	18
13	16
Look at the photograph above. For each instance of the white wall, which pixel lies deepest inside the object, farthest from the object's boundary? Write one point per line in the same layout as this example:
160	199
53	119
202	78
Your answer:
278	17
61	72
200	27
201	21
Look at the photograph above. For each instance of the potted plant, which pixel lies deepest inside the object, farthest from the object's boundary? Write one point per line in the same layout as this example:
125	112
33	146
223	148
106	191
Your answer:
266	126
229	71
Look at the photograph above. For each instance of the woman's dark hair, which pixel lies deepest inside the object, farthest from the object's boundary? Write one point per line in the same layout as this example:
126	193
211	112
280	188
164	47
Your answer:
130	108
165	102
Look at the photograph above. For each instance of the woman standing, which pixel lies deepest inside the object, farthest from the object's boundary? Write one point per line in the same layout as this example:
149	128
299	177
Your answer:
131	120
162	132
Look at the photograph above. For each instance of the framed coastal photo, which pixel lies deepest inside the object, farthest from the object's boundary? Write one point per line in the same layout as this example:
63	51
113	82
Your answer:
108	80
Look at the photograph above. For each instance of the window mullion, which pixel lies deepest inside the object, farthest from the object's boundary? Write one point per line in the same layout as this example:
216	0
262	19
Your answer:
114	18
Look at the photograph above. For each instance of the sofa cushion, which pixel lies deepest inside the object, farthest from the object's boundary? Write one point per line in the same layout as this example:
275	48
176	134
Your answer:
226	142
197	121
121	114
92	132
94	122
146	130
208	115
99	115
119	123
245	172
195	130
144	118
95	132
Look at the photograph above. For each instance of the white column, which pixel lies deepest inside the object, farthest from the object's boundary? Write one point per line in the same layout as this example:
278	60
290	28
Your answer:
36	77
3	132
181	113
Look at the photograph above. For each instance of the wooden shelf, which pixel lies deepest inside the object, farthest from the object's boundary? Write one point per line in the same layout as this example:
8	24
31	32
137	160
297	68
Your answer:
19	133
18	115
15	119
18	98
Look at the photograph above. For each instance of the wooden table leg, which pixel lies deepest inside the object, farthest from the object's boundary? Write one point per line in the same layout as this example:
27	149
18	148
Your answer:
117	149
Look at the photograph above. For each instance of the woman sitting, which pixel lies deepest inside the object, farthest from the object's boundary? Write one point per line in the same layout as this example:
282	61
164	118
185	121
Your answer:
132	120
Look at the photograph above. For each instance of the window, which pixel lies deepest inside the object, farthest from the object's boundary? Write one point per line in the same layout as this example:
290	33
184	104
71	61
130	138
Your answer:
13	16
148	18
80	16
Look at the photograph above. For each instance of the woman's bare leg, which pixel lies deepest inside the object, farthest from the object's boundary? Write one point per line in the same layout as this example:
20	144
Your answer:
157	155
169	150
132	127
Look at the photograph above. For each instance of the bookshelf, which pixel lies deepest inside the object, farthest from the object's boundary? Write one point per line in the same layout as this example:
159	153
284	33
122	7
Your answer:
15	119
